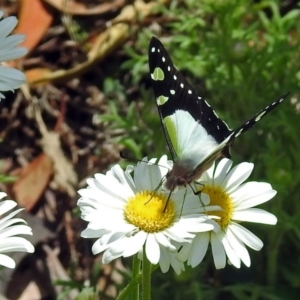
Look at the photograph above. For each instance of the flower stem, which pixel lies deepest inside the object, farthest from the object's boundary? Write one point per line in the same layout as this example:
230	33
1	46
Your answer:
136	266
146	280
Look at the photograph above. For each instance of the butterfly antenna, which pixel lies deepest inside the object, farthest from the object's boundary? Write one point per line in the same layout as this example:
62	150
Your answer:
127	157
156	189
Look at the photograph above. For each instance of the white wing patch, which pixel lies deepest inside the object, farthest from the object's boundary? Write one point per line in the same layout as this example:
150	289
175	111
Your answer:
158	74
161	100
189	138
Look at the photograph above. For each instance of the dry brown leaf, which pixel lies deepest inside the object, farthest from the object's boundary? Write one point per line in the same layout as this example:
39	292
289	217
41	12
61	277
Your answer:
76	8
32	181
64	175
37	73
34	21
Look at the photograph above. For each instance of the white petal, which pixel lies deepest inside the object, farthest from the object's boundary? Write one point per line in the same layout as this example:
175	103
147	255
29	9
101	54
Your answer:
232	256
152	249
7	25
9	220
222	169
178	233
255	215
150	177
237	176
164	241
98	247
246	236
113	253
191	220
249	190
92	233
10	79
13	53
184	252
114	240
218	251
199	249
164	165
2	194
205	209
99	200
7	205
117	187
15	230
103	184
135	244
124	178
168	258
5	260
164	261
12	42
238	247
16	244
255	200
205	200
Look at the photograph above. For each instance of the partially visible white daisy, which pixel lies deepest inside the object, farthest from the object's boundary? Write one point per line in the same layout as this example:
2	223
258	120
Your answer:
225	188
10	78
126	213
9	228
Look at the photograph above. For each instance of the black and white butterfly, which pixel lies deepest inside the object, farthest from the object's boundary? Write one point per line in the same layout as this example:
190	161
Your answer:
196	136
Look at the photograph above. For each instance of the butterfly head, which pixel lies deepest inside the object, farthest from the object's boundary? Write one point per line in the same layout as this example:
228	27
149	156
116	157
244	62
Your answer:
176	177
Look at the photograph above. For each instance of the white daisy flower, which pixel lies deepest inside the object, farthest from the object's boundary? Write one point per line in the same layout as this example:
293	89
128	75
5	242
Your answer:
128	214
9	228
10	78
237	199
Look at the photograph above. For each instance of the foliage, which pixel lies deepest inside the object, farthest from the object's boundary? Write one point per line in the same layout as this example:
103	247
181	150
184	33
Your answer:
240	55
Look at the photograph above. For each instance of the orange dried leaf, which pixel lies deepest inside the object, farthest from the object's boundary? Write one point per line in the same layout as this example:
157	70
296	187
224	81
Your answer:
32	181
34	21
36	75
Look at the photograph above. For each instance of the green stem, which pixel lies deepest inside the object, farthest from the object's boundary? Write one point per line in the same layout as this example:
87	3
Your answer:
136	267
146	280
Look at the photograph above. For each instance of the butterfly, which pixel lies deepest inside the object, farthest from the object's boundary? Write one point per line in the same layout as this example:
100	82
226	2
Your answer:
195	135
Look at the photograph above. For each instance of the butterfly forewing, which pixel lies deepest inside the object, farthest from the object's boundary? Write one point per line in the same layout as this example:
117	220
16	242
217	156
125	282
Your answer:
174	93
196	136
257	117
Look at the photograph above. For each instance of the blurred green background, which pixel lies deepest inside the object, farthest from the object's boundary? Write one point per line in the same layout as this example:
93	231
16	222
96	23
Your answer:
240	55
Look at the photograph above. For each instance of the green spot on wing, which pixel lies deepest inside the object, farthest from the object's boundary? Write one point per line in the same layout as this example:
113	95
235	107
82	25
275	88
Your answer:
171	128
158	74
161	100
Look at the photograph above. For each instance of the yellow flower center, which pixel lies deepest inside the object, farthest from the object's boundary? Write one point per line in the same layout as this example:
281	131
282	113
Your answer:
148	211
219	197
